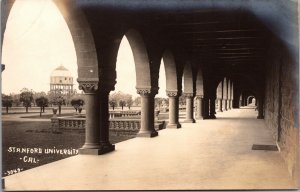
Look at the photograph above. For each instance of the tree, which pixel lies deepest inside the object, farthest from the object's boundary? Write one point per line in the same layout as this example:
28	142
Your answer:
137	101
56	98
77	103
182	100
121	99
16	100
128	100
158	102
113	101
26	97
38	95
41	102
122	103
7	101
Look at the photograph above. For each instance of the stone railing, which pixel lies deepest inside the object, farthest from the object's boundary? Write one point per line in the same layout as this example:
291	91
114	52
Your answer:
70	122
116	114
120	126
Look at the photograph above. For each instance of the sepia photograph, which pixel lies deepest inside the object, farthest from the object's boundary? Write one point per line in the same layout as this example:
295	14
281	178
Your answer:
149	95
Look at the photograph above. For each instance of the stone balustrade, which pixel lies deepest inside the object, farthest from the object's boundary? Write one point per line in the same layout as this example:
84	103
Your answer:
70	122
116	114
120	126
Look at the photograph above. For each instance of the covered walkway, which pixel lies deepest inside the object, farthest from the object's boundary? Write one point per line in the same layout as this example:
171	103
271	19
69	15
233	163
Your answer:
208	154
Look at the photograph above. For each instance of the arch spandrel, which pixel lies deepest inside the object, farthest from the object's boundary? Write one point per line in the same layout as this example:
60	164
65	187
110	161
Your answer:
141	59
87	61
199	83
188	78
171	71
225	81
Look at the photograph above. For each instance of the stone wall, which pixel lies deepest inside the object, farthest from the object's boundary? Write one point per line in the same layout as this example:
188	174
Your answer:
282	104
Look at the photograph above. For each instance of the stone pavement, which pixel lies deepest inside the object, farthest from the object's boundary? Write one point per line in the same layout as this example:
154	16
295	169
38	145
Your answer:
209	154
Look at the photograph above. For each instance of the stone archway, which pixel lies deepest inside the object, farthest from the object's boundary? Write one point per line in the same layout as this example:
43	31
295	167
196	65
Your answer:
250	99
143	82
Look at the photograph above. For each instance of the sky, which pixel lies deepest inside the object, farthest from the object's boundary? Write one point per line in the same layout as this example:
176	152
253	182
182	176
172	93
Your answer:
37	40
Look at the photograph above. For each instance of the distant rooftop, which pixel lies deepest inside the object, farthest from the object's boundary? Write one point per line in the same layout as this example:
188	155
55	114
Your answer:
61	71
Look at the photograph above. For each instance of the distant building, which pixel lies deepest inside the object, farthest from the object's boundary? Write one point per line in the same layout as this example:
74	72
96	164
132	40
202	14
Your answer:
61	80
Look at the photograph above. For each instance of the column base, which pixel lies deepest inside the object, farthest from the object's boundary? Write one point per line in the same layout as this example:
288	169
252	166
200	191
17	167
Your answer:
220	111
147	134
260	117
212	117
97	151
199	118
189	121
173	125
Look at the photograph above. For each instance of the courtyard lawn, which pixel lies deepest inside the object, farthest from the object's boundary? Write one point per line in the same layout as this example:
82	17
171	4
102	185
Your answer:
39	135
48	116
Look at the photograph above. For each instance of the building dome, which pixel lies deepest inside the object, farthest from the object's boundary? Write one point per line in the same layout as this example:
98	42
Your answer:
61	71
61	80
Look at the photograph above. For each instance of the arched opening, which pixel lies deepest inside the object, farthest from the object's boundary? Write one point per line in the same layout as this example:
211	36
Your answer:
38	38
143	83
124	97
33	32
161	101
251	100
220	97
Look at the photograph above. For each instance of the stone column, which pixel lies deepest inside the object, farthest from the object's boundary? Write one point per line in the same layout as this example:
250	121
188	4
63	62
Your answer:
105	145
189	108
92	143
220	105
173	109
212	109
225	104
199	107
205	108
260	110
147	113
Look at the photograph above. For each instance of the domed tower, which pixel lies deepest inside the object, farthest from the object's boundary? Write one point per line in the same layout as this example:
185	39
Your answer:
61	80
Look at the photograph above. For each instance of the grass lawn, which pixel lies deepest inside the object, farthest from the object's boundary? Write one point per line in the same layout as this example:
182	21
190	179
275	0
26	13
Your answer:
37	135
48	116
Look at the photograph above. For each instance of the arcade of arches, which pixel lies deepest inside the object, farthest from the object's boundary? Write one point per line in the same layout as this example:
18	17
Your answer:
228	56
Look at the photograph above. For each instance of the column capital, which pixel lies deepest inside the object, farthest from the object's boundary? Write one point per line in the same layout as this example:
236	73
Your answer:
172	93
199	96
188	94
147	91
89	86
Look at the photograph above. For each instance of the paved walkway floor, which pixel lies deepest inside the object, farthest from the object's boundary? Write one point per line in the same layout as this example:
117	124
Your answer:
209	154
